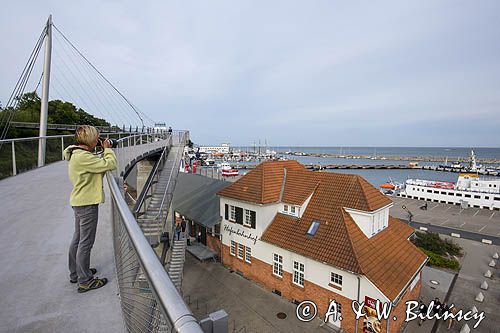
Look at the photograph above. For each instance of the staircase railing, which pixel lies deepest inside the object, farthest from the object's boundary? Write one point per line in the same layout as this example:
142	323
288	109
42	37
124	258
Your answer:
172	180
152	178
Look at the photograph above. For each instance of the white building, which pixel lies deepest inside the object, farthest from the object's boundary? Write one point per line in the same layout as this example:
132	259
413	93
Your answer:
222	149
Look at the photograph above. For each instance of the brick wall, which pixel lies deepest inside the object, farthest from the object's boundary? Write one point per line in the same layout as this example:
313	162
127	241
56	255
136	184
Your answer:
400	309
213	243
262	274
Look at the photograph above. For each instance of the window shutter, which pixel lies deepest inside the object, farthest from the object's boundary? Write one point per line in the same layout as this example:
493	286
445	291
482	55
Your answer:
252	218
226	212
239	215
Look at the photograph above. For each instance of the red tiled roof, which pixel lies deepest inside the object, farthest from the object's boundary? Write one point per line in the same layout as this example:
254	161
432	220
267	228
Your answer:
388	259
263	184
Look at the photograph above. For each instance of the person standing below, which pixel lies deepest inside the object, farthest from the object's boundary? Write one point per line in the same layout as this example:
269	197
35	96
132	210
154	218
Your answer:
423	311
178	229
86	172
183	227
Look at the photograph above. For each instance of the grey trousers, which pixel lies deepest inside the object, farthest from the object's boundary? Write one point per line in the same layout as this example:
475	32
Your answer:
82	242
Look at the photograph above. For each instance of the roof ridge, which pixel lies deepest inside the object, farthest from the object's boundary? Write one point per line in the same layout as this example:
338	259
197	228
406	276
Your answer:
354	250
283	183
262	183
358	180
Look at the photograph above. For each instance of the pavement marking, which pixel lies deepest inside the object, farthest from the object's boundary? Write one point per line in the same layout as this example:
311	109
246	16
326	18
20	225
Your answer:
484	226
455	235
462	224
492	214
476	213
447	209
486	241
434	207
445	221
423	228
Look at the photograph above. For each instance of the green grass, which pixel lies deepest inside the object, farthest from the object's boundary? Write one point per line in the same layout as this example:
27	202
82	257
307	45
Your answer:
439	261
432	242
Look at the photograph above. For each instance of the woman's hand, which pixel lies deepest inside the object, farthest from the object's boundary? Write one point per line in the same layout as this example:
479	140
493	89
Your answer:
106	144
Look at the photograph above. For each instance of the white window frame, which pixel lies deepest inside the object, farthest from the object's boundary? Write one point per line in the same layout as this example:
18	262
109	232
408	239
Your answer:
248	254
241	251
277	265
298	273
292	210
233	248
285	208
336	279
247	221
232	213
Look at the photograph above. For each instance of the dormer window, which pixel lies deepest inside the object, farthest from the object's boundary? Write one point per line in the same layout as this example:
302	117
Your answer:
285	209
292	210
313	228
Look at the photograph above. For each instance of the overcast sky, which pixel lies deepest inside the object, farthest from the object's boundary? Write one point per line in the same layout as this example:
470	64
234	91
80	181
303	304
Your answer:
328	73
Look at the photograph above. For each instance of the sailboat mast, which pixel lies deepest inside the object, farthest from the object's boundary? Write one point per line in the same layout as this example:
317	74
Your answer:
45	93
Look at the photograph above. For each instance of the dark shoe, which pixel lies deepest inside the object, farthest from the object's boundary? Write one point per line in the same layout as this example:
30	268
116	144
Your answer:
95	283
93	270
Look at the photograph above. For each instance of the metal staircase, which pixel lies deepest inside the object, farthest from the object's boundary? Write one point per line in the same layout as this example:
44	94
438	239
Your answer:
160	188
176	263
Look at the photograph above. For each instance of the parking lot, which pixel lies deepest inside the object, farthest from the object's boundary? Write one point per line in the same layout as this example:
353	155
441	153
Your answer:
483	221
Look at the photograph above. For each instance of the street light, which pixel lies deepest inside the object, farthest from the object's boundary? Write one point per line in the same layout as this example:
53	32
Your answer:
410	215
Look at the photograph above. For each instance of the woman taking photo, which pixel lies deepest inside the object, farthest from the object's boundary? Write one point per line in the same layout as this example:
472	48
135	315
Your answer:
86	171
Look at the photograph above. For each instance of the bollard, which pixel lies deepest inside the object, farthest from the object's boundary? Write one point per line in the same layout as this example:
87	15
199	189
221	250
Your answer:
495	256
480	297
465	329
487	274
474	310
484	285
492	263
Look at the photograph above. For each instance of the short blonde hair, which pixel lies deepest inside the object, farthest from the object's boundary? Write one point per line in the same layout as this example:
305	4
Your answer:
86	135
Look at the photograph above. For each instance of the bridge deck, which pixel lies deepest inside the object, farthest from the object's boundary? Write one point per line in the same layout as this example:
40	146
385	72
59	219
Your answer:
36	226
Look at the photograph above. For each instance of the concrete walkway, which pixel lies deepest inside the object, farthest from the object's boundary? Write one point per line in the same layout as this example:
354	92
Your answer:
36	228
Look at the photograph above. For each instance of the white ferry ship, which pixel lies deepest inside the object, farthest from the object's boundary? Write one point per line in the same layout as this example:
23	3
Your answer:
469	190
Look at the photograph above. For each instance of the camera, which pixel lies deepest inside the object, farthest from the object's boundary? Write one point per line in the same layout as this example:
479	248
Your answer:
113	142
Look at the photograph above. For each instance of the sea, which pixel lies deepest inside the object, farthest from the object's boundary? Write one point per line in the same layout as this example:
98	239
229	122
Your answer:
379	176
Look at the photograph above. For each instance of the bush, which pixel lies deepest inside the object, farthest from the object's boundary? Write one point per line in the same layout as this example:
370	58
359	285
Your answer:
438	261
432	242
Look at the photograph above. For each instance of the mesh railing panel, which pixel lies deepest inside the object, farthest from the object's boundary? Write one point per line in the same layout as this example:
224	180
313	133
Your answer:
149	300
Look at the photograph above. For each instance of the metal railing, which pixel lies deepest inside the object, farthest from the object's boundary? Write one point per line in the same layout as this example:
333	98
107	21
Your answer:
70	127
19	155
149	299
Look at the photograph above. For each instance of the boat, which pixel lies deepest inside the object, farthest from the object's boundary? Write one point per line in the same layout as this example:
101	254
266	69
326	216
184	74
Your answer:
391	187
469	190
227	171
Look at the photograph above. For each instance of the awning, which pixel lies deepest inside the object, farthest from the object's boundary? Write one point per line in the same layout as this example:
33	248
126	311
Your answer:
195	198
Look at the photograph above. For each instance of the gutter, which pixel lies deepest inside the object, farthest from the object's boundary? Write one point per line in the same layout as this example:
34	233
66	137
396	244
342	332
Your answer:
398	298
359	287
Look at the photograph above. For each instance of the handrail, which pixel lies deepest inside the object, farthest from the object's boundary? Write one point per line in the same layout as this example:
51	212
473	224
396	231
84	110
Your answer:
172	305
142	196
58	136
170	176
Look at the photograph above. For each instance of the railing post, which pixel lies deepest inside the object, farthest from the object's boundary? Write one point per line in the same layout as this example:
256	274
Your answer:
62	148
14	168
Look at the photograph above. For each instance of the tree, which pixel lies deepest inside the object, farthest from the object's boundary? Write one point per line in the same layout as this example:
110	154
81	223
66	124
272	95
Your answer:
59	112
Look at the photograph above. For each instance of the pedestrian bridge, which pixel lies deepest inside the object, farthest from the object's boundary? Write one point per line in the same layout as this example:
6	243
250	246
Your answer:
37	225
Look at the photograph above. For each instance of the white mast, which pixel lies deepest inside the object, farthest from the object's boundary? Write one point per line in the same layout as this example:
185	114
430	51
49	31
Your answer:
45	93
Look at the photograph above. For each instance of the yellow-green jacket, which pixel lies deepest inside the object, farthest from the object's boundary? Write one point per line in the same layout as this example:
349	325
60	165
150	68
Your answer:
86	172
